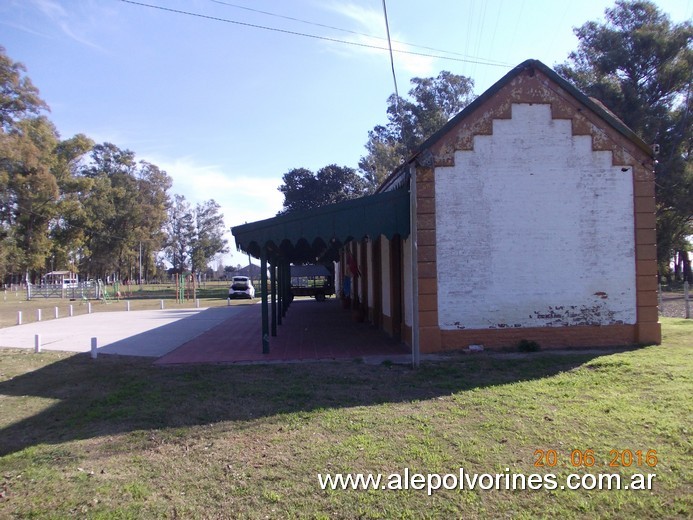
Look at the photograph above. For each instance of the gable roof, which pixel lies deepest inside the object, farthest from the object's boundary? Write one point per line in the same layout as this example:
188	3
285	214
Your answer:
526	66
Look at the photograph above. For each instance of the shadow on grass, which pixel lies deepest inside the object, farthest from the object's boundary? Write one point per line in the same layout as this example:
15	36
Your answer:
124	394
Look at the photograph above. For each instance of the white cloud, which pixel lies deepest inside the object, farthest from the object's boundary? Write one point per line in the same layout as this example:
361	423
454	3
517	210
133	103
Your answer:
61	18
372	21
243	198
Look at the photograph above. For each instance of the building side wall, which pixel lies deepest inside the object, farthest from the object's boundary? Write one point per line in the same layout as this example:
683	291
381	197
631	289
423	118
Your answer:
532	87
535	229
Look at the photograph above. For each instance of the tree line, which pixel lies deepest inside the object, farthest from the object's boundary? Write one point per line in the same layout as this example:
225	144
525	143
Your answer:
637	63
89	208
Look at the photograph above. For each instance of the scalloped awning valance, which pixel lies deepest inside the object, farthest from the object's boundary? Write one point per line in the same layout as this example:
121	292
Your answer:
316	234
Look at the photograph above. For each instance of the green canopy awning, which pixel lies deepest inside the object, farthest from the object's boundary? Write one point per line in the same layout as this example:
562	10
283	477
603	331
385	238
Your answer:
316	234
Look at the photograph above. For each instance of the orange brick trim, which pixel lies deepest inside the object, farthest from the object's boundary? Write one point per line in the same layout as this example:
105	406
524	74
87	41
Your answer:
547	337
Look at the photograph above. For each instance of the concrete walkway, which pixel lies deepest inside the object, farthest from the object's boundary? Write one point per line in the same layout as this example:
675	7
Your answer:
151	333
232	334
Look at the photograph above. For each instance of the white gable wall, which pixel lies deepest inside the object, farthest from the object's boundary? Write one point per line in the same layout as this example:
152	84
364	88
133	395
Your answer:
534	229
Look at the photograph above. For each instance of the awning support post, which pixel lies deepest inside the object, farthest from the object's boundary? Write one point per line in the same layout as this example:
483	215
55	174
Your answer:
280	290
273	275
264	304
287	287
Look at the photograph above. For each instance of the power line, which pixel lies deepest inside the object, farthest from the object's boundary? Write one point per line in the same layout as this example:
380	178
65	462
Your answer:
313	36
349	31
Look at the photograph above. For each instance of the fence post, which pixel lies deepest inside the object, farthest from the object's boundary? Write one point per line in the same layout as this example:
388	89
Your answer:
37	343
659	299
686	297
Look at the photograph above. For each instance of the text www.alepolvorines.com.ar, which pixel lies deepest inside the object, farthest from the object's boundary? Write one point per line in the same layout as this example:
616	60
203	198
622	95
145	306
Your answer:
463	480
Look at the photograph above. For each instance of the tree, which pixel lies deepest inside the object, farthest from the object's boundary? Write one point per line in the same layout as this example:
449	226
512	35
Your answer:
303	189
194	236
640	65
434	102
152	206
67	231
208	238
28	189
29	193
124	206
179	234
19	98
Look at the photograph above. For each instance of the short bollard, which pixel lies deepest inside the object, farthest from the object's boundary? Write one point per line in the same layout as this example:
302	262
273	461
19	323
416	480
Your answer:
89	308
93	348
127	306
19	317
38	314
197	303
228	302
71	311
37	343
56	313
162	304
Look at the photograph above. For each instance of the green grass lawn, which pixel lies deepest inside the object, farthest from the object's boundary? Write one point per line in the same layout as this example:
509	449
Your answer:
120	438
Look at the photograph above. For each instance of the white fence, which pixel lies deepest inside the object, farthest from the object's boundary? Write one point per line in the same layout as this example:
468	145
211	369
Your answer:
85	291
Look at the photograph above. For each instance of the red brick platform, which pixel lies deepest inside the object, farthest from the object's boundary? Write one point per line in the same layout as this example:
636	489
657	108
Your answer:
311	330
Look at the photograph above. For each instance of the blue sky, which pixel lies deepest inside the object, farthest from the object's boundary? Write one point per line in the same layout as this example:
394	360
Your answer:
226	109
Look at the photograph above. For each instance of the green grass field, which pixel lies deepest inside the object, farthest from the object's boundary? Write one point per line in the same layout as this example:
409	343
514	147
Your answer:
120	438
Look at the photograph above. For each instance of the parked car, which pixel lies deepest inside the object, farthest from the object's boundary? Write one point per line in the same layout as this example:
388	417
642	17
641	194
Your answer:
241	287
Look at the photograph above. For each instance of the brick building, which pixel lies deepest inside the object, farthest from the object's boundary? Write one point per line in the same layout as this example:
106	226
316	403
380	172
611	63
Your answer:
529	215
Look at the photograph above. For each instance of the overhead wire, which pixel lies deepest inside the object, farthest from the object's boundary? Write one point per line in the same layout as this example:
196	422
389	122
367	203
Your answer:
313	36
349	31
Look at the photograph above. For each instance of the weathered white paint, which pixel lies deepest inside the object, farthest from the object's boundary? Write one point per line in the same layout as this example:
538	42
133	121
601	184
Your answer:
534	228
408	295
385	276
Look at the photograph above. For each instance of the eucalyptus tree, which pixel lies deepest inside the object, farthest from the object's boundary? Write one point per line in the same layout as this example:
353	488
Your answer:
194	235
432	103
125	204
28	188
640	65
